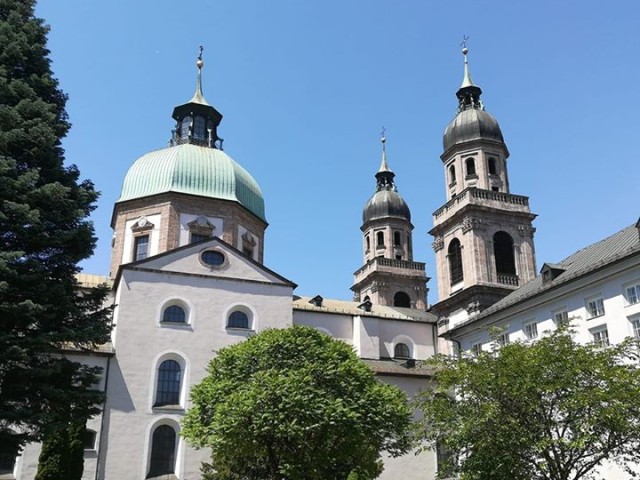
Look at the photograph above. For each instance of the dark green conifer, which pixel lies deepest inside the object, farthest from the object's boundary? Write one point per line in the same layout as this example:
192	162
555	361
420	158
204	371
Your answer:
44	233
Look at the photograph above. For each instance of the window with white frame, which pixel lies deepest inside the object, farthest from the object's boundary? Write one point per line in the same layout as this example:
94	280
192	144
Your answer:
595	307
531	330
561	317
502	339
632	293
600	336
476	349
635	327
163	452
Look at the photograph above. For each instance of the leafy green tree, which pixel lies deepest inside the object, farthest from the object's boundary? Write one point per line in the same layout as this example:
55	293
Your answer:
44	233
295	404
552	410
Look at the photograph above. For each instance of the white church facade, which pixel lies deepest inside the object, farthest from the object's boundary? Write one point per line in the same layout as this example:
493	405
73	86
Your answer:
188	279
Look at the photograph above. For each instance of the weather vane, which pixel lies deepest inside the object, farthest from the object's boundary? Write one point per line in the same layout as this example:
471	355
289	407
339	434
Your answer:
382	135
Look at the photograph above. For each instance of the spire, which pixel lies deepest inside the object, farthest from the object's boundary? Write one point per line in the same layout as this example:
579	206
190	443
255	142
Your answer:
469	93
198	97
384	176
196	121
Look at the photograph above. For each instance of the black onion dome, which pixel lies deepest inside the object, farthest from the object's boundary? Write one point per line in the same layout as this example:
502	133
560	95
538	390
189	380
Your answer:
470	125
384	204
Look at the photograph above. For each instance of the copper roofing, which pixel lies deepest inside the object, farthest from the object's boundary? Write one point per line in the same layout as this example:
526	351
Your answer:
194	170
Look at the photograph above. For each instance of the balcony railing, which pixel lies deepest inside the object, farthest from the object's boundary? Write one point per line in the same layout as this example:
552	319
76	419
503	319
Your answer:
391	262
507	279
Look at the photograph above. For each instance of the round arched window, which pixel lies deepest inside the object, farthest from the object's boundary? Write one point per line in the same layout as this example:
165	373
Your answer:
401	350
238	319
174	314
212	258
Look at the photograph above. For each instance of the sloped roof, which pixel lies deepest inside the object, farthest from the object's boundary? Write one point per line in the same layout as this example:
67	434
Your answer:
392	366
351	308
618	246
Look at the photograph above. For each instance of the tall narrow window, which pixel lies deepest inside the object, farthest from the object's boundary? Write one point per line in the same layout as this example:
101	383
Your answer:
503	252
140	247
184	127
471	166
635	325
397	240
368	240
492	166
169	379
401	299
380	239
452	174
199	128
455	261
163	452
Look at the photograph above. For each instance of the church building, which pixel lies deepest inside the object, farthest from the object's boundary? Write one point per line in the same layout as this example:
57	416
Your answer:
188	277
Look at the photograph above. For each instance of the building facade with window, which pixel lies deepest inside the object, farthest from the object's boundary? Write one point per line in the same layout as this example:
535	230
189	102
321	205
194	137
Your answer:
188	279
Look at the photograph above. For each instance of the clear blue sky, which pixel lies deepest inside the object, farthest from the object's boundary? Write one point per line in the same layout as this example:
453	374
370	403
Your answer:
305	87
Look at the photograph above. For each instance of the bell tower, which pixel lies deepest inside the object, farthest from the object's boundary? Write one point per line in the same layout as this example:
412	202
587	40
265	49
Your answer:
483	234
389	275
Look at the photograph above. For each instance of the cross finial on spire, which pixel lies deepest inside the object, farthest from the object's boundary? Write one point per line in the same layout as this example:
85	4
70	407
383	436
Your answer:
463	44
200	62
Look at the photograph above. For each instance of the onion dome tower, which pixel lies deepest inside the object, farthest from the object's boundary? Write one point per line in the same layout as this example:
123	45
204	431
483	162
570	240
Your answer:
389	275
187	192
483	234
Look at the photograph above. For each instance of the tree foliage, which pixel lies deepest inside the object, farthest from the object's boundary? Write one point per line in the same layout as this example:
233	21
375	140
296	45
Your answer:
62	455
552	410
44	233
295	404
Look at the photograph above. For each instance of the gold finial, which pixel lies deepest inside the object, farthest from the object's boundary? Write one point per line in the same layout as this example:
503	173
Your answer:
200	62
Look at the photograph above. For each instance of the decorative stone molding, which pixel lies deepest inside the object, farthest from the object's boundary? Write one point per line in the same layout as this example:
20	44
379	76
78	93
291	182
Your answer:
201	226
438	244
142	225
526	230
471	223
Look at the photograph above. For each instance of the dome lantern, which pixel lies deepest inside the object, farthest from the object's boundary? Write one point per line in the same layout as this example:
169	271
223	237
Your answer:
196	121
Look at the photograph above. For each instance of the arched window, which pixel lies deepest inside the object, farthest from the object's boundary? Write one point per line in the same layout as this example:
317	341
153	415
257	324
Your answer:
184	127
452	174
380	239
492	166
163	452
397	238
471	166
401	299
401	350
174	314
169	380
503	252
368	240
455	261
238	319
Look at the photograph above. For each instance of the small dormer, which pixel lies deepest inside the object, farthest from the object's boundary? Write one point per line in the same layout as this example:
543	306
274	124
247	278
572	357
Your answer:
366	305
550	271
316	301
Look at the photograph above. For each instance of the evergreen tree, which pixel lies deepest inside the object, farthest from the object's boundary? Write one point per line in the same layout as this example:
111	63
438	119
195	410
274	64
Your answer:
62	454
44	233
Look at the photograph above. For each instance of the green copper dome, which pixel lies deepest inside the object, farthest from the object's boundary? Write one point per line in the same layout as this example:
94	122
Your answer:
193	170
